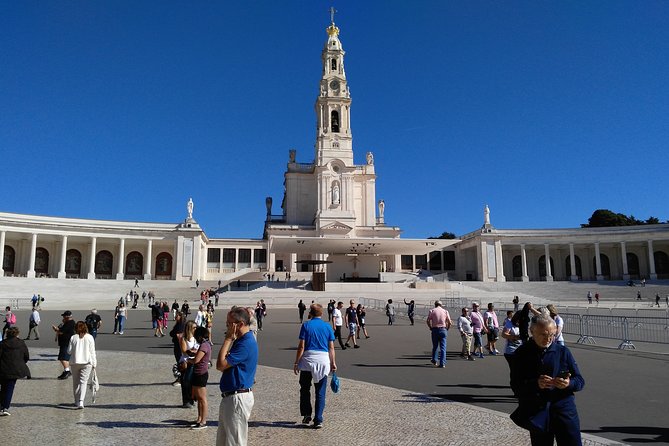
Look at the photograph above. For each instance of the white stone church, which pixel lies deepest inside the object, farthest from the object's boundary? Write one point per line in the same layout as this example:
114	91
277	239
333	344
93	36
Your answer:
329	222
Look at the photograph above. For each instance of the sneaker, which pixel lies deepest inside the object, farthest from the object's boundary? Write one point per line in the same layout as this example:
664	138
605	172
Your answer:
346	345
306	420
471	358
433	362
343	348
65	374
121	332
356	346
198	427
4	413
176	383
493	353
318	424
80	407
481	355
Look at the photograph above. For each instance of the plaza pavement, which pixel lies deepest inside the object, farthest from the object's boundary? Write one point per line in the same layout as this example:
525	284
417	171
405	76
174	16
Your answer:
136	405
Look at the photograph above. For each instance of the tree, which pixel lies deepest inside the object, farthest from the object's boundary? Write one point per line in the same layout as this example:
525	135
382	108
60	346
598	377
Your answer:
602	218
445	235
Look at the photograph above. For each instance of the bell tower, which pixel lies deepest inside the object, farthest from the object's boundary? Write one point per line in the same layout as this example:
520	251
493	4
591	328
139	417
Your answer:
333	105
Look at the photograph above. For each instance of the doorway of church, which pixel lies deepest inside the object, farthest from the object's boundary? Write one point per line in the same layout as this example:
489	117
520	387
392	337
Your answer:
278	265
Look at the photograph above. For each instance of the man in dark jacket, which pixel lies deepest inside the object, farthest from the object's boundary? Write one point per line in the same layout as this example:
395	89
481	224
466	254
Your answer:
544	377
64	332
13	358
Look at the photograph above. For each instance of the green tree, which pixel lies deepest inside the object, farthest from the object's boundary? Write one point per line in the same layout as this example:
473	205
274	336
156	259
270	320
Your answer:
444	235
602	218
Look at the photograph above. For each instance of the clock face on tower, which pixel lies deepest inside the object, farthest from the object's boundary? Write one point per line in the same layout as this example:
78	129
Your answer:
334	85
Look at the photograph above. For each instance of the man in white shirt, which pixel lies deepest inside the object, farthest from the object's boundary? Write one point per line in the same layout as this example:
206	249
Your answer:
33	324
200	317
466	332
337	322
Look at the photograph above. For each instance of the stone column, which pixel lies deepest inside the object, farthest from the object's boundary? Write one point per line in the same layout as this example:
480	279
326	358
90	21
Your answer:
499	261
651	261
271	261
623	256
523	258
220	261
91	264
236	259
121	261
549	273
33	252
253	253
2	253
572	263
598	263
149	257
413	262
293	258
63	253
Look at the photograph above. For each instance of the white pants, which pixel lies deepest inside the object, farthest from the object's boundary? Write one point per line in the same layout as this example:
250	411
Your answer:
233	419
80	375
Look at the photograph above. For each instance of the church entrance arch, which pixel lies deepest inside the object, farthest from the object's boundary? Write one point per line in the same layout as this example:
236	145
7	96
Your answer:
606	266
577	261
134	265
164	265
8	259
41	261
517	267
103	264
73	262
661	264
633	266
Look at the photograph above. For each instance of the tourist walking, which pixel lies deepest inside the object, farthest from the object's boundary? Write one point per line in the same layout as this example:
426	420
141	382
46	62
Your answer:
33	323
439	322
492	324
175	309
464	325
657	300
411	309
559	323
331	308
511	332
301	308
589	297
13	358
362	315
549	413
83	360
597	298
337	322
118	305
314	360
238	360
156	319
260	315
185	309
200	377
122	316
516	303
10	321
390	312
93	323
351	321
64	332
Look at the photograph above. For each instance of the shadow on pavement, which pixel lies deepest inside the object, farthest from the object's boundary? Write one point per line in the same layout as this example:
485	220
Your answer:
640	434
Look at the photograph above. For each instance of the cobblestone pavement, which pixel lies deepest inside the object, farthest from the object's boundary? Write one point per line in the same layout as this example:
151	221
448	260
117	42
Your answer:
137	405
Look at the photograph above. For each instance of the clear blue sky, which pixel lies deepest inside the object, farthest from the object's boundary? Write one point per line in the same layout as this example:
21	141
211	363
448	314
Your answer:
545	111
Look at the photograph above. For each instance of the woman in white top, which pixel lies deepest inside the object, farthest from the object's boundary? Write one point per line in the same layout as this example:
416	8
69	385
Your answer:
559	323
189	347
82	361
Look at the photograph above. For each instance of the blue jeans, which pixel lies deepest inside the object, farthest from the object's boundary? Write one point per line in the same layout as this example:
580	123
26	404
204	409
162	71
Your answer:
121	323
6	392
439	341
305	396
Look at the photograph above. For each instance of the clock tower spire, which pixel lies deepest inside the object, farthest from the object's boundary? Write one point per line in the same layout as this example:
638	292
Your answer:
333	105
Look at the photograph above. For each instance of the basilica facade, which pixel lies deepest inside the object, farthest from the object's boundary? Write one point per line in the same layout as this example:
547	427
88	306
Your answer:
331	222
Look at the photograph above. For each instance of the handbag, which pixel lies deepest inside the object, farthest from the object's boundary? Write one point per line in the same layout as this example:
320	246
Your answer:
334	383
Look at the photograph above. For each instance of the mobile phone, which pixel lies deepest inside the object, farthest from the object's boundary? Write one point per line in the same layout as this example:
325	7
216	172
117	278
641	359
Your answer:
564	374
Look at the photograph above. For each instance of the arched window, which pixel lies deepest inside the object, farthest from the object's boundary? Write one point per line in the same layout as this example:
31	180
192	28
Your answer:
334	64
577	261
542	267
8	259
517	267
633	265
164	264
661	263
73	262
41	261
134	264
103	263
334	121
606	266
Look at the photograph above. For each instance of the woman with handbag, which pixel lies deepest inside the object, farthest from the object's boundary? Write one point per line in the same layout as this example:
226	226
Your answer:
82	361
189	347
492	324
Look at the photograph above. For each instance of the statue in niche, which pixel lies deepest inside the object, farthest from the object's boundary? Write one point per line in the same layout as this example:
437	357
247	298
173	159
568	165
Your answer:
486	215
291	155
335	194
370	158
382	208
189	208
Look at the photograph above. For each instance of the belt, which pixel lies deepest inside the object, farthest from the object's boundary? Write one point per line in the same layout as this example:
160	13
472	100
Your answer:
233	392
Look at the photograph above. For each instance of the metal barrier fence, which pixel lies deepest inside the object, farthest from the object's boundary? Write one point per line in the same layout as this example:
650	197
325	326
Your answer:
626	329
16	303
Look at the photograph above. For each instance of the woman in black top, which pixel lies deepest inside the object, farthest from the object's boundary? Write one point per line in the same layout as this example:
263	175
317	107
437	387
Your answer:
13	358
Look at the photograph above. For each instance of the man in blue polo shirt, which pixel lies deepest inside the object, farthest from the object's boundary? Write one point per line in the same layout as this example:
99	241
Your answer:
314	360
237	359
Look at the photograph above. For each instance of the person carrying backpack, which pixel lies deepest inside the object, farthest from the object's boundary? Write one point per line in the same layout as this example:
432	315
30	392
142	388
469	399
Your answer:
93	322
10	321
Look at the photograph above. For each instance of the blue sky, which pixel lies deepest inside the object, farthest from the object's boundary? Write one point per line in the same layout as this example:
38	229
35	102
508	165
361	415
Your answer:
546	111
